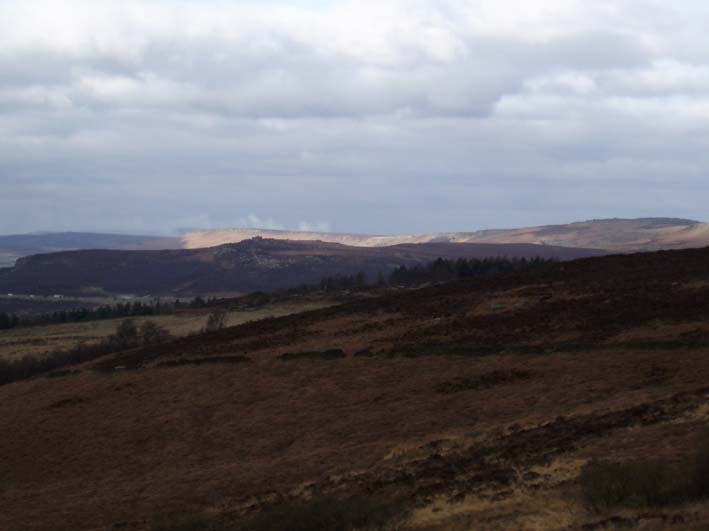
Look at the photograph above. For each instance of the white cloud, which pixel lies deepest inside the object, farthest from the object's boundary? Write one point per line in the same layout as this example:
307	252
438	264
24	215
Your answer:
319	226
253	221
399	110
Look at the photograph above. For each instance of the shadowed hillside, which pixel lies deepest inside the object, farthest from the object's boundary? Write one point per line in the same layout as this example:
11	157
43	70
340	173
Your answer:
257	264
16	246
476	404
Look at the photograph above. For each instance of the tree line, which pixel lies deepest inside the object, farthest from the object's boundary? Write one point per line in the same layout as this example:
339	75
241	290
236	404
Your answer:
439	270
128	335
107	311
443	270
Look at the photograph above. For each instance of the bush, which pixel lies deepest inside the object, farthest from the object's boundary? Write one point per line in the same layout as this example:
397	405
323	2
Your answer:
215	321
699	472
332	354
329	514
151	333
185	522
126	335
607	484
205	361
15	370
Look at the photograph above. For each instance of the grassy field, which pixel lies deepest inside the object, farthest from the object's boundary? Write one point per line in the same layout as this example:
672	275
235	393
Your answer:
40	340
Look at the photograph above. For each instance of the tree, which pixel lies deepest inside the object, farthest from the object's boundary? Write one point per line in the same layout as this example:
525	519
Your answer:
126	335
381	280
151	333
360	279
215	321
6	321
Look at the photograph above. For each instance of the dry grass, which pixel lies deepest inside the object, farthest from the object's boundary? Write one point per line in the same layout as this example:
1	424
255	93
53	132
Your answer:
216	434
40	340
108	450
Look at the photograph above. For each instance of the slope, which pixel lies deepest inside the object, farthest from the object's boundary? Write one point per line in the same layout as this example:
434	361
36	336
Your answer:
251	265
477	401
13	247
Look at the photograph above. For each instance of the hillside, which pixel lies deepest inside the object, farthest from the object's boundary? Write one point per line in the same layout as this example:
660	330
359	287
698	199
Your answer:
251	265
477	403
40	340
619	235
16	246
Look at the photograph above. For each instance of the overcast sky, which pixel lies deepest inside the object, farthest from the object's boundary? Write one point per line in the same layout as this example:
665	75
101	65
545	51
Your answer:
381	116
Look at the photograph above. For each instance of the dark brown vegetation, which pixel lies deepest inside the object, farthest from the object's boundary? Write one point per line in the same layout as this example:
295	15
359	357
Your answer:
481	403
327	513
482	381
204	361
331	354
127	336
655	483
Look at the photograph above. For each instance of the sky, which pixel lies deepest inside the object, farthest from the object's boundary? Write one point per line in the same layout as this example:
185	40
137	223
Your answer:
378	116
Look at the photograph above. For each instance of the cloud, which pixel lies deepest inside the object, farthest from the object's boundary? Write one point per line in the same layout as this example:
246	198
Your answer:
253	221
378	116
319	226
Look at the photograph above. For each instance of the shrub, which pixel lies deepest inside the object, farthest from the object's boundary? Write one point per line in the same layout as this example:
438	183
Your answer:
185	522
215	321
332	354
126	335
15	370
204	361
151	333
607	484
699	472
330	514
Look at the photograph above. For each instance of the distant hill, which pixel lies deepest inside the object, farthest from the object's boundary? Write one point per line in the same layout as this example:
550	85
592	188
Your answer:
16	246
256	264
620	235
617	235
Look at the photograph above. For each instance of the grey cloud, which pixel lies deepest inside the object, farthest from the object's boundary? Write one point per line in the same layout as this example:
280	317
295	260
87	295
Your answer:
419	121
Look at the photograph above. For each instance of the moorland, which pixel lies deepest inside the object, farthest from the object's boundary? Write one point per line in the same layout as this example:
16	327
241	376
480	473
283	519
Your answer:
572	395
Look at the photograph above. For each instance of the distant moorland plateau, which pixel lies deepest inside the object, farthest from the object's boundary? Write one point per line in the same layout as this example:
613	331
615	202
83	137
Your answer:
618	235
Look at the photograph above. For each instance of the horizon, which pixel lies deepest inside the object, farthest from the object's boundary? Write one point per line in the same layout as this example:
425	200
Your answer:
184	231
